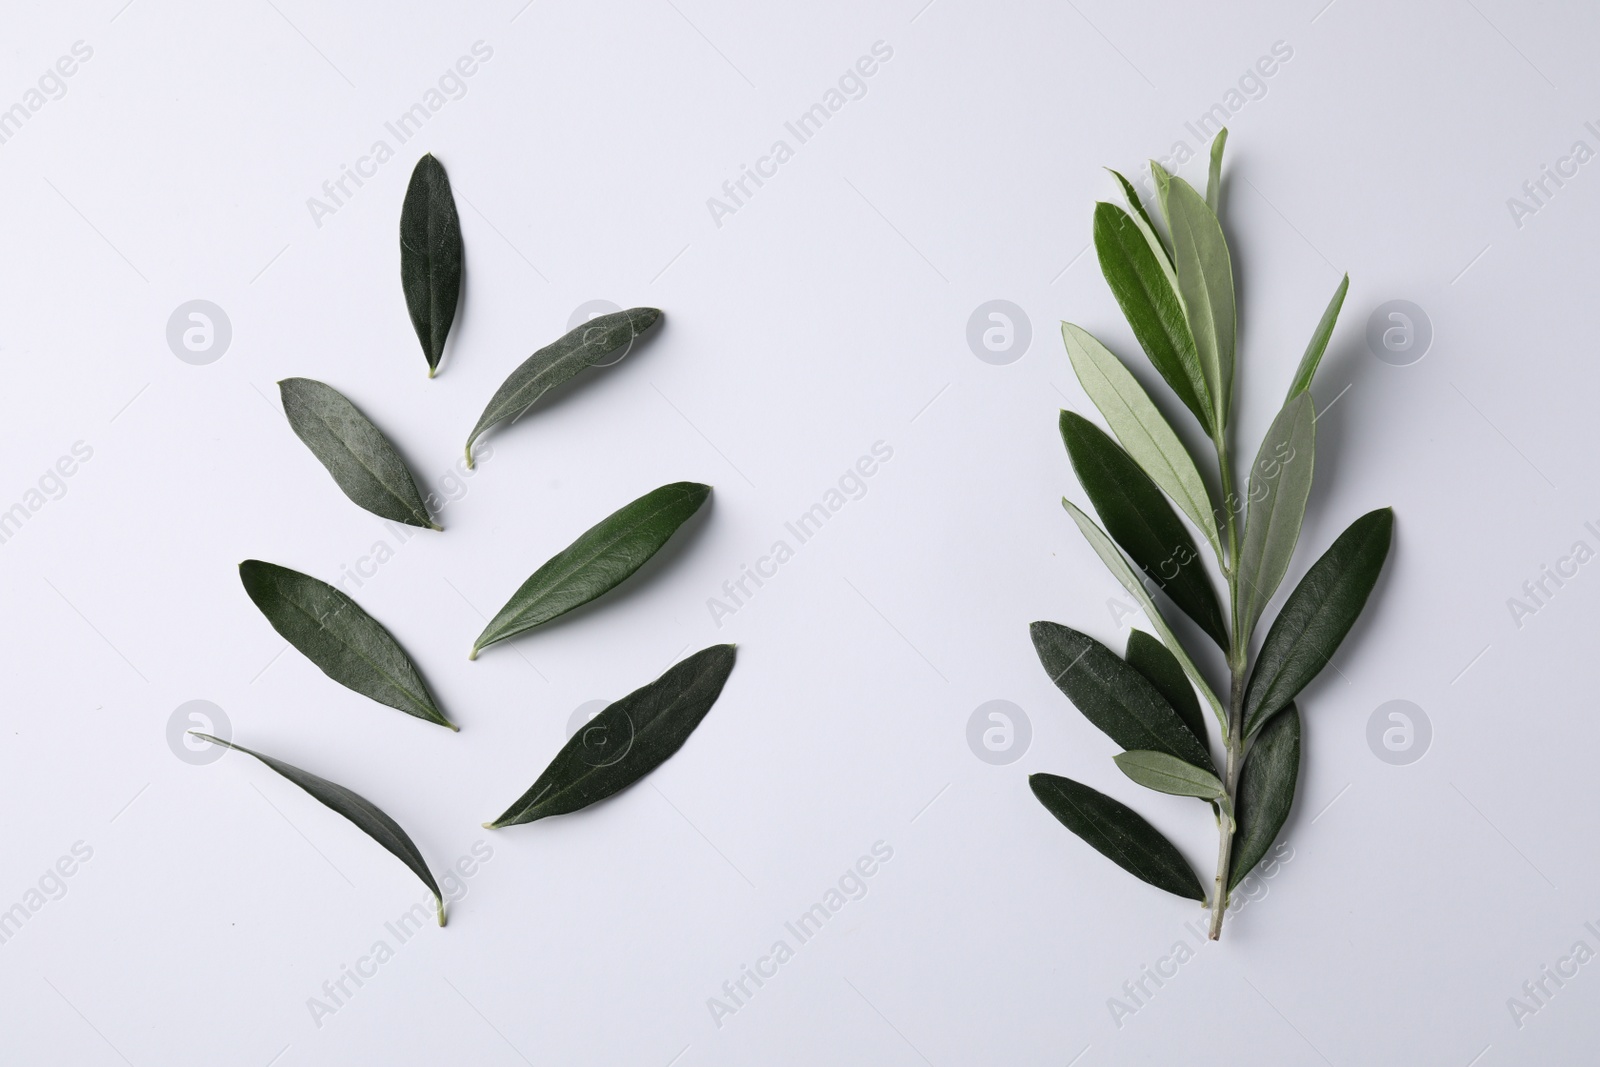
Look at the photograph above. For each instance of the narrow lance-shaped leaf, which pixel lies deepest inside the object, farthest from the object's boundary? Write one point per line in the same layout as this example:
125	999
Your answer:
1141	428
1205	282
367	816
1150	657
1280	485
1164	774
1319	341
1140	520
1214	178
597	562
430	257
1139	280
1148	227
1266	791
360	458
1317	615
1123	571
332	631
1112	695
627	740
1119	833
586	345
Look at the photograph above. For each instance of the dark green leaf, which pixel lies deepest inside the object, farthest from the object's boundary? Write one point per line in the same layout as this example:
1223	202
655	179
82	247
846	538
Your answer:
1205	283
1148	295
1317	616
1167	774
627	740
598	561
1161	668
1280	485
1117	832
1138	517
1112	695
1266	791
1214	178
357	454
1142	216
430	257
367	816
1319	341
333	632
585	346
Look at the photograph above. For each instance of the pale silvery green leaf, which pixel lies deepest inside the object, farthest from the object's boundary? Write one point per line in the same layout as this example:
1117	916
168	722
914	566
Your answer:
362	461
1319	341
1214	179
1280	485
1142	217
366	815
1123	571
1205	281
430	257
1141	428
1167	774
627	740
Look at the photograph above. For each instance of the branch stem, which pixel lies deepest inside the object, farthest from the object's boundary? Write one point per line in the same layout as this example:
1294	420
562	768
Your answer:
1233	733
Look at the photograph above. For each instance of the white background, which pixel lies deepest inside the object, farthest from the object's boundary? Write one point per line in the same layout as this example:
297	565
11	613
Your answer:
827	313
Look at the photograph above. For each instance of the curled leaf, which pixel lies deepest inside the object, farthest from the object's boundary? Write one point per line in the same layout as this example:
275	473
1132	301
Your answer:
597	562
367	816
360	458
1319	341
430	257
627	740
332	631
587	345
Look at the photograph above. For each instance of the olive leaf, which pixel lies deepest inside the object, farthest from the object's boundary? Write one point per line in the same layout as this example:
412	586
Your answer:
1117	832
1141	429
1141	521
1205	283
627	740
430	257
1113	695
1150	657
1139	280
1319	341
582	347
1214	176
360	458
1146	226
1166	774
367	816
332	631
1317	615
1122	570
1280	485
1266	791
597	562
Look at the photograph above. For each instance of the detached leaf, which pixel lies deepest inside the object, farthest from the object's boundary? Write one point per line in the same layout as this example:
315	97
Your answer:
360	458
1139	281
1280	485
1214	179
430	257
597	562
367	816
1119	567
1161	669
1141	428
627	740
1112	695
584	346
1317	616
1139	518
1164	774
1205	282
1119	833
1319	342
1266	791
333	632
